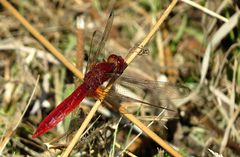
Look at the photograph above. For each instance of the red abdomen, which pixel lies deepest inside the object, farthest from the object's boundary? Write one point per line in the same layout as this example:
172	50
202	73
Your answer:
64	108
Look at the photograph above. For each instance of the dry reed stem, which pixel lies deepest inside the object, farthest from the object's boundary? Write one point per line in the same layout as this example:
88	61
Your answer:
41	38
205	10
213	23
130	117
135	138
215	154
233	95
125	151
150	133
80	42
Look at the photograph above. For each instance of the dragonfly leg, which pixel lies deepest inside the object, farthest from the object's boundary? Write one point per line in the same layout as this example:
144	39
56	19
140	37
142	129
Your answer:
143	50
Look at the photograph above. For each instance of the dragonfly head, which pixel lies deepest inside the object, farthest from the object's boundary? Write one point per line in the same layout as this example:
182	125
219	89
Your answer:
118	61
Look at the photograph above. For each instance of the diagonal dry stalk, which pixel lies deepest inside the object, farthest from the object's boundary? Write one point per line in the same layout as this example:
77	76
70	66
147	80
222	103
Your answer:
160	115
205	10
129	59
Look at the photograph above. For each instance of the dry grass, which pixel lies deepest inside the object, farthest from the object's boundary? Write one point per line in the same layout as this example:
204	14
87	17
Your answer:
198	48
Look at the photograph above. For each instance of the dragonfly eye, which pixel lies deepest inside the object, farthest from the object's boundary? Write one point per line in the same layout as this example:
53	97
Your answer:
118	61
112	59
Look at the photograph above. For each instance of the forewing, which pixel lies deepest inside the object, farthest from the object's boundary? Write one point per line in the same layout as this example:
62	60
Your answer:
126	98
105	33
97	46
92	56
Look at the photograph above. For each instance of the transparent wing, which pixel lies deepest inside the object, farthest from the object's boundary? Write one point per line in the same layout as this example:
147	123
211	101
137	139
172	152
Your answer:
163	90
105	33
160	90
92	57
97	46
130	99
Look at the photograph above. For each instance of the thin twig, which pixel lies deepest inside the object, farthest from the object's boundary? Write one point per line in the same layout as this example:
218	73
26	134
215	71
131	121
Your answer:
205	10
224	61
126	151
233	95
218	10
112	152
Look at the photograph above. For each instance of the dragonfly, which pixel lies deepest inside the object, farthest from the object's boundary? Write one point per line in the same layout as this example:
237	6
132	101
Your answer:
99	73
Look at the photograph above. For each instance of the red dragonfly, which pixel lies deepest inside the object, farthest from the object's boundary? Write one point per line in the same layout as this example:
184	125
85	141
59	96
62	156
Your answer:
94	78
